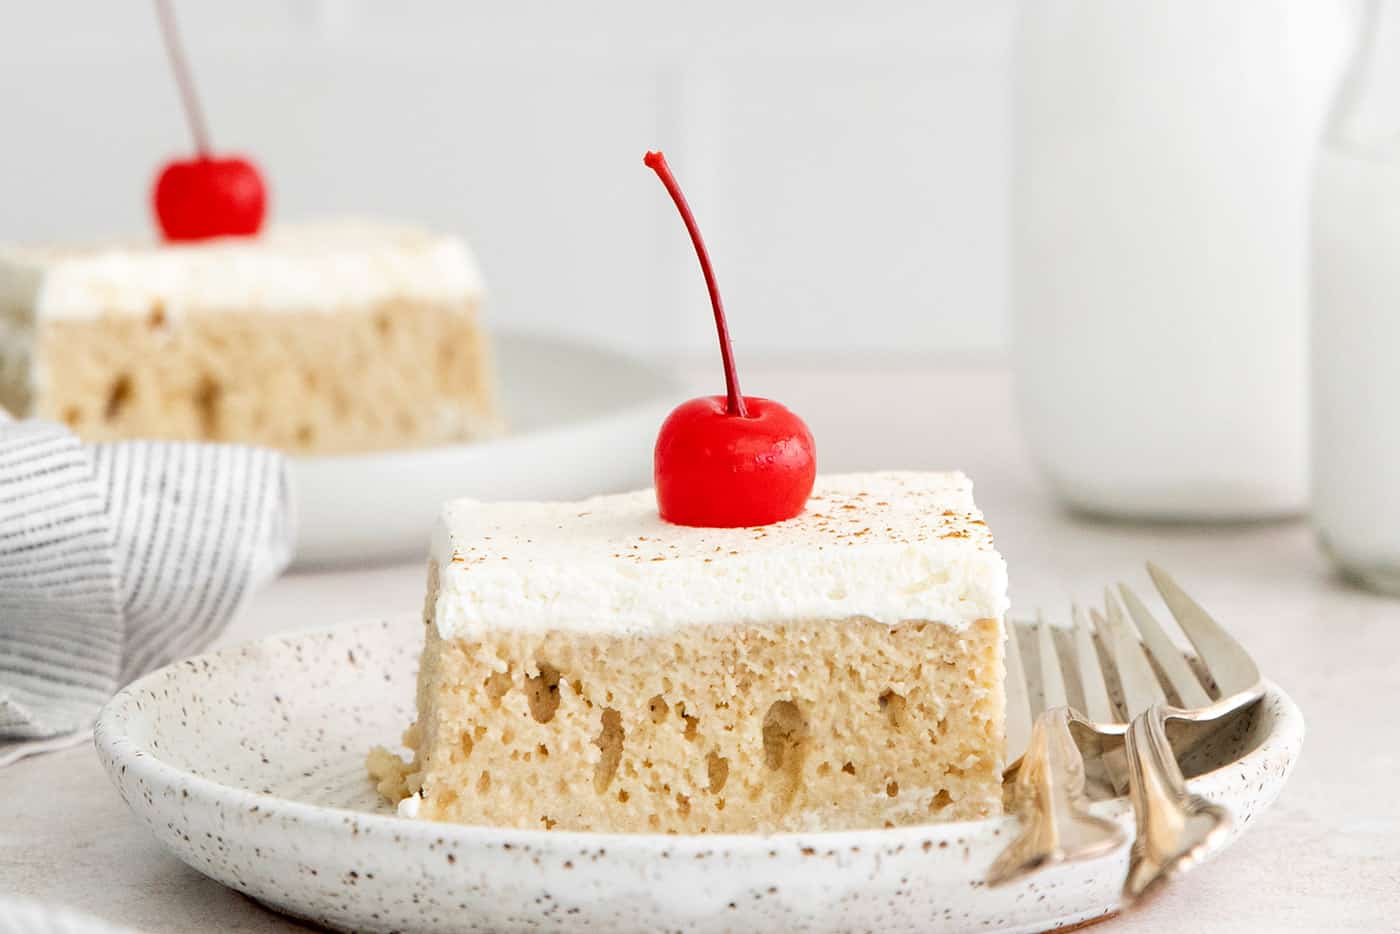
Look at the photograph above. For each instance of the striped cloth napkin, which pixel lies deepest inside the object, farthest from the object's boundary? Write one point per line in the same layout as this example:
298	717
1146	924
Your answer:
117	558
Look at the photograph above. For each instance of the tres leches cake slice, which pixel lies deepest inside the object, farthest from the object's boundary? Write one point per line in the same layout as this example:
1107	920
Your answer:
590	666
332	337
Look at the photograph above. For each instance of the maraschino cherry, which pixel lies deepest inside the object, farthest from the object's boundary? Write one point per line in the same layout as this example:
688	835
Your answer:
206	196
733	460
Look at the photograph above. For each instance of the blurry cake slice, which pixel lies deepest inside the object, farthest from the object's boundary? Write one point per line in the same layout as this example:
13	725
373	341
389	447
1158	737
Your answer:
588	666
319	338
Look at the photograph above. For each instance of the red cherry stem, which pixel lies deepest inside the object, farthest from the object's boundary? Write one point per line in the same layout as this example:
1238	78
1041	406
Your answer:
735	402
193	114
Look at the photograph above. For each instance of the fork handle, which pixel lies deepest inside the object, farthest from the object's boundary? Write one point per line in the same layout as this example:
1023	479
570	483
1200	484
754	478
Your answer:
1175	828
1056	824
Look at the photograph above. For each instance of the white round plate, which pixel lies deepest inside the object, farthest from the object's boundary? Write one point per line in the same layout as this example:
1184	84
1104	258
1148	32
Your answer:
580	419
248	764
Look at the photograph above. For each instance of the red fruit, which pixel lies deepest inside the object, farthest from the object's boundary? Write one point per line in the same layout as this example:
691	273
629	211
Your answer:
733	460
721	470
204	196
207	197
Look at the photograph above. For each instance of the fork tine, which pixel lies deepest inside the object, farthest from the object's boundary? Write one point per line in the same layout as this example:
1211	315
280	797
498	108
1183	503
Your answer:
1112	611
1226	660
1097	706
1120	711
1052	678
1018	699
1168	657
1140	687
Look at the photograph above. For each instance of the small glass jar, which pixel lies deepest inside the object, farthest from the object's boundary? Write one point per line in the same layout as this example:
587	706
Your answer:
1356	314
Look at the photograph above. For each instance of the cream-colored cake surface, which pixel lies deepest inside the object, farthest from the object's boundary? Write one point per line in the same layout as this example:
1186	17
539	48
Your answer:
889	546
290	268
327	337
588	667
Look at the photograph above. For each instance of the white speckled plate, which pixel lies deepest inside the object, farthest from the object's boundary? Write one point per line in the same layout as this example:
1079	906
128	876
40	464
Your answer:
566	402
248	765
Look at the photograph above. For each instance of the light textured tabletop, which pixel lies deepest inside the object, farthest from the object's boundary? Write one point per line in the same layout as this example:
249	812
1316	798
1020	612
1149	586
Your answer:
1326	857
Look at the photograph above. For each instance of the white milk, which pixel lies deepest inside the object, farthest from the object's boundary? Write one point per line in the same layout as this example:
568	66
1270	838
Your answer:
1161	181
1356	363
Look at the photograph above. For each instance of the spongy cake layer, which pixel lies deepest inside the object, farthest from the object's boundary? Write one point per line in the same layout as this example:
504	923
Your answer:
730	728
887	547
395	374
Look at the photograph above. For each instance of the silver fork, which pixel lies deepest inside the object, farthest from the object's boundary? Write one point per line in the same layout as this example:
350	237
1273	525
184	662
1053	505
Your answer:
1049	788
1175	828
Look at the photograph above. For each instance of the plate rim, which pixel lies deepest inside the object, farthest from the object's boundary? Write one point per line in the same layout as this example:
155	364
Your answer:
117	750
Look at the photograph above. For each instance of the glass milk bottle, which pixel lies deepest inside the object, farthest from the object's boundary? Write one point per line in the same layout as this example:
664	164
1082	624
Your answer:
1356	314
1162	157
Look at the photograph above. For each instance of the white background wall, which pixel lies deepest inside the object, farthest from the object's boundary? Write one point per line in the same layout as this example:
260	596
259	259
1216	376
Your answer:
848	162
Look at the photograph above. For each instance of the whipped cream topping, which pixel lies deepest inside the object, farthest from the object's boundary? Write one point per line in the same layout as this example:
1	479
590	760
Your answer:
301	267
884	546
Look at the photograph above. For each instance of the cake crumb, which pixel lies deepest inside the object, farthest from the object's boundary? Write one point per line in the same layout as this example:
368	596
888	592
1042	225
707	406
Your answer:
392	776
